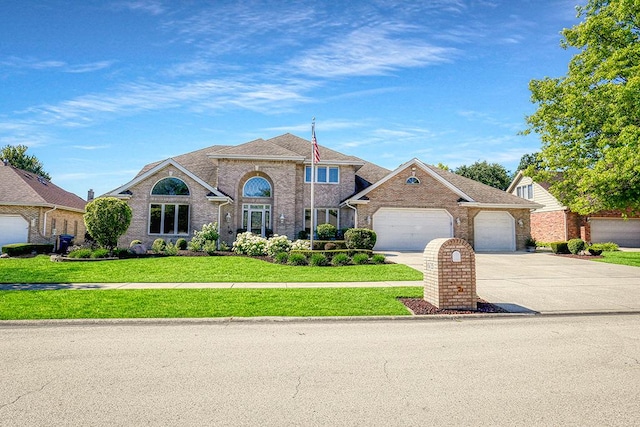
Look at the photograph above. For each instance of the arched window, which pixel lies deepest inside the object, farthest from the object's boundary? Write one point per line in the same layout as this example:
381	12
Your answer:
257	187
413	180
170	187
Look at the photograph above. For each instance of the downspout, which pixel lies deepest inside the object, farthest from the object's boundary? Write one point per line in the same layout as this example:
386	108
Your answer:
220	220
355	214
44	225
566	230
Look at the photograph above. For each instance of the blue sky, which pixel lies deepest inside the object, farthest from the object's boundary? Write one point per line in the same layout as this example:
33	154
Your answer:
98	89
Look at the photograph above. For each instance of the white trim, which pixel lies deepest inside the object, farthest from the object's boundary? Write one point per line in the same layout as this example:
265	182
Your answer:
159	167
501	205
401	168
327	167
516	179
43	205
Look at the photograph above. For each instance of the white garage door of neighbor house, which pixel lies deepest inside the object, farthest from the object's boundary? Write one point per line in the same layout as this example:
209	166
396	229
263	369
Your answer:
410	229
626	233
13	229
494	232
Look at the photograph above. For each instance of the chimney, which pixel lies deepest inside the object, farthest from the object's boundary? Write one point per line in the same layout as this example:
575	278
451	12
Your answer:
90	195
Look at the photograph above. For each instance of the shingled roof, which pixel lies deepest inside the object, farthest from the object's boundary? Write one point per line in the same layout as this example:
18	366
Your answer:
21	188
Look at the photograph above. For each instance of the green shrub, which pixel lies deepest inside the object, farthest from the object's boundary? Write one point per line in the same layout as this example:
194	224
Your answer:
318	260
559	247
297	259
340	259
303	235
378	259
16	249
326	231
605	247
195	245
210	247
282	257
359	259
594	250
530	242
224	247
576	246
100	253
250	244
181	243
158	246
107	218
360	238
171	249
122	253
319	245
80	253
277	244
135	242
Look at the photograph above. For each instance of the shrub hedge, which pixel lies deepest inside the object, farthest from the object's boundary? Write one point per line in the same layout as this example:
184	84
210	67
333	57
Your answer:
16	249
576	246
559	247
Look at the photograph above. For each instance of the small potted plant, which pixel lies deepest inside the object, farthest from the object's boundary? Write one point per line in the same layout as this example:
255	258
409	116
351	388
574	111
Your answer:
530	244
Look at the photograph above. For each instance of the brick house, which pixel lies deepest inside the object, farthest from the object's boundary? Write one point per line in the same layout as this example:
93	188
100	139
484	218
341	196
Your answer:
34	210
555	222
264	186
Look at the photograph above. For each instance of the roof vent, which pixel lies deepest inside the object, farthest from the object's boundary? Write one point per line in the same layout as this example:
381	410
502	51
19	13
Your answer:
41	180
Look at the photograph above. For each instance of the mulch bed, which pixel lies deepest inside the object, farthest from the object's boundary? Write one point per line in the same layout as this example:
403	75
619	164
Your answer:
421	307
579	256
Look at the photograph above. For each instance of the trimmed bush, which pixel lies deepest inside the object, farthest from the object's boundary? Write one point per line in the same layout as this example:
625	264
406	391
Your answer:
340	259
594	251
210	247
576	246
282	257
359	259
100	253
319	245
158	246
16	249
171	249
326	231
605	247
195	245
135	242
297	259
559	247
318	260
360	238
378	259
80	253
181	243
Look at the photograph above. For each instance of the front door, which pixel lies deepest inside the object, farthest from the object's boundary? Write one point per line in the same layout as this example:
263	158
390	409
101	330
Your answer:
256	218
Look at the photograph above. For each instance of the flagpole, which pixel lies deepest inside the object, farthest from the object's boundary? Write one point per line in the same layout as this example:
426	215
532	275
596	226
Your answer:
313	178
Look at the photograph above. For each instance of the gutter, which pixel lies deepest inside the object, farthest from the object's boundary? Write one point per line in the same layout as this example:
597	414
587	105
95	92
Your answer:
228	202
355	213
44	225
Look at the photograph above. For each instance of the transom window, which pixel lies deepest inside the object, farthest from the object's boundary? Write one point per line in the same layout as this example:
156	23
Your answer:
525	191
169	218
170	187
324	174
257	187
413	180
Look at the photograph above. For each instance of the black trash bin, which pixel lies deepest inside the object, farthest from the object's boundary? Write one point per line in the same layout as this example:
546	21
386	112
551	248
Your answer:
64	240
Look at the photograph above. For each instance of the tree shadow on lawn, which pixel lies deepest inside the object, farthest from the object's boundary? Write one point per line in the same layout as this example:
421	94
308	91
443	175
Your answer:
47	286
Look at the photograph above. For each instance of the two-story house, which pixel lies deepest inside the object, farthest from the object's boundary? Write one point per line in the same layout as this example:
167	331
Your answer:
264	186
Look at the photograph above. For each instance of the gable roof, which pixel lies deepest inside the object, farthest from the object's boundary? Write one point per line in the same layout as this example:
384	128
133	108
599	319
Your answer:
123	191
21	188
471	193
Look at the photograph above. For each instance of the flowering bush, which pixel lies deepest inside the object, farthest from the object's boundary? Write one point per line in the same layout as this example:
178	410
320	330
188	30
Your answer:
277	244
301	245
208	233
250	244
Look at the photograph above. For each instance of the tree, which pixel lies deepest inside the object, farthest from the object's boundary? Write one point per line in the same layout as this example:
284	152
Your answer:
492	174
107	218
443	167
17	157
589	119
529	160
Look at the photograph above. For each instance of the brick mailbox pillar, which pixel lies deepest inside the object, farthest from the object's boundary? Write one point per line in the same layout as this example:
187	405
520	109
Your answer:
450	274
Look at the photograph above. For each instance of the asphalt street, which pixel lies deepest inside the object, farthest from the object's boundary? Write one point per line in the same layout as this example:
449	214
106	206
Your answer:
543	370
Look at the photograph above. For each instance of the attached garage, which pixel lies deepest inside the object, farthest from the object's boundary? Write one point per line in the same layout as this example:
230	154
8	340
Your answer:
13	229
494	231
625	233
406	229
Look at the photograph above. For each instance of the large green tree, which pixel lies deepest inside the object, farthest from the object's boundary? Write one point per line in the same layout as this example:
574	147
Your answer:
107	218
492	174
589	120
17	156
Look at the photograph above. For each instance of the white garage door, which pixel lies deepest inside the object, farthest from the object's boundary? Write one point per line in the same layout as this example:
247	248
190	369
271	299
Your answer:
13	229
494	231
410	229
624	233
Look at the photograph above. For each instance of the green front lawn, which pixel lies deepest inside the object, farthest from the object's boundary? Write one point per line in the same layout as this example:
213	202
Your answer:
197	303
618	257
191	269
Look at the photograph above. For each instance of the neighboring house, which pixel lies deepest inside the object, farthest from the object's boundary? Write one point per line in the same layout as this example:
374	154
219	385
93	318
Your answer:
34	210
555	222
264	186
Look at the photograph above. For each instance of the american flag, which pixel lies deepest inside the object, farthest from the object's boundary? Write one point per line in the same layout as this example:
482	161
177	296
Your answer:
316	152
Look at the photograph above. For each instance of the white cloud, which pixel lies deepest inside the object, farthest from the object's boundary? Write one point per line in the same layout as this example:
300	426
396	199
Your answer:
152	7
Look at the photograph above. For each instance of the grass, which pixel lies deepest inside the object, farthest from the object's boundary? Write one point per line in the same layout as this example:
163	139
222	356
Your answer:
191	270
618	257
198	303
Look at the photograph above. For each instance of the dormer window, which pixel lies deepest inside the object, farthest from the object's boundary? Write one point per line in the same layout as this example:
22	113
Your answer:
413	180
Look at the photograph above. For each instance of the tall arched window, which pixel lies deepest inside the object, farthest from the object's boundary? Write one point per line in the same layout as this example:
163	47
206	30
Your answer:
257	187
170	187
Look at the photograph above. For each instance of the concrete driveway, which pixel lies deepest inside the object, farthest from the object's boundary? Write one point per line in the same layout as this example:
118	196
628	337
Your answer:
545	283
